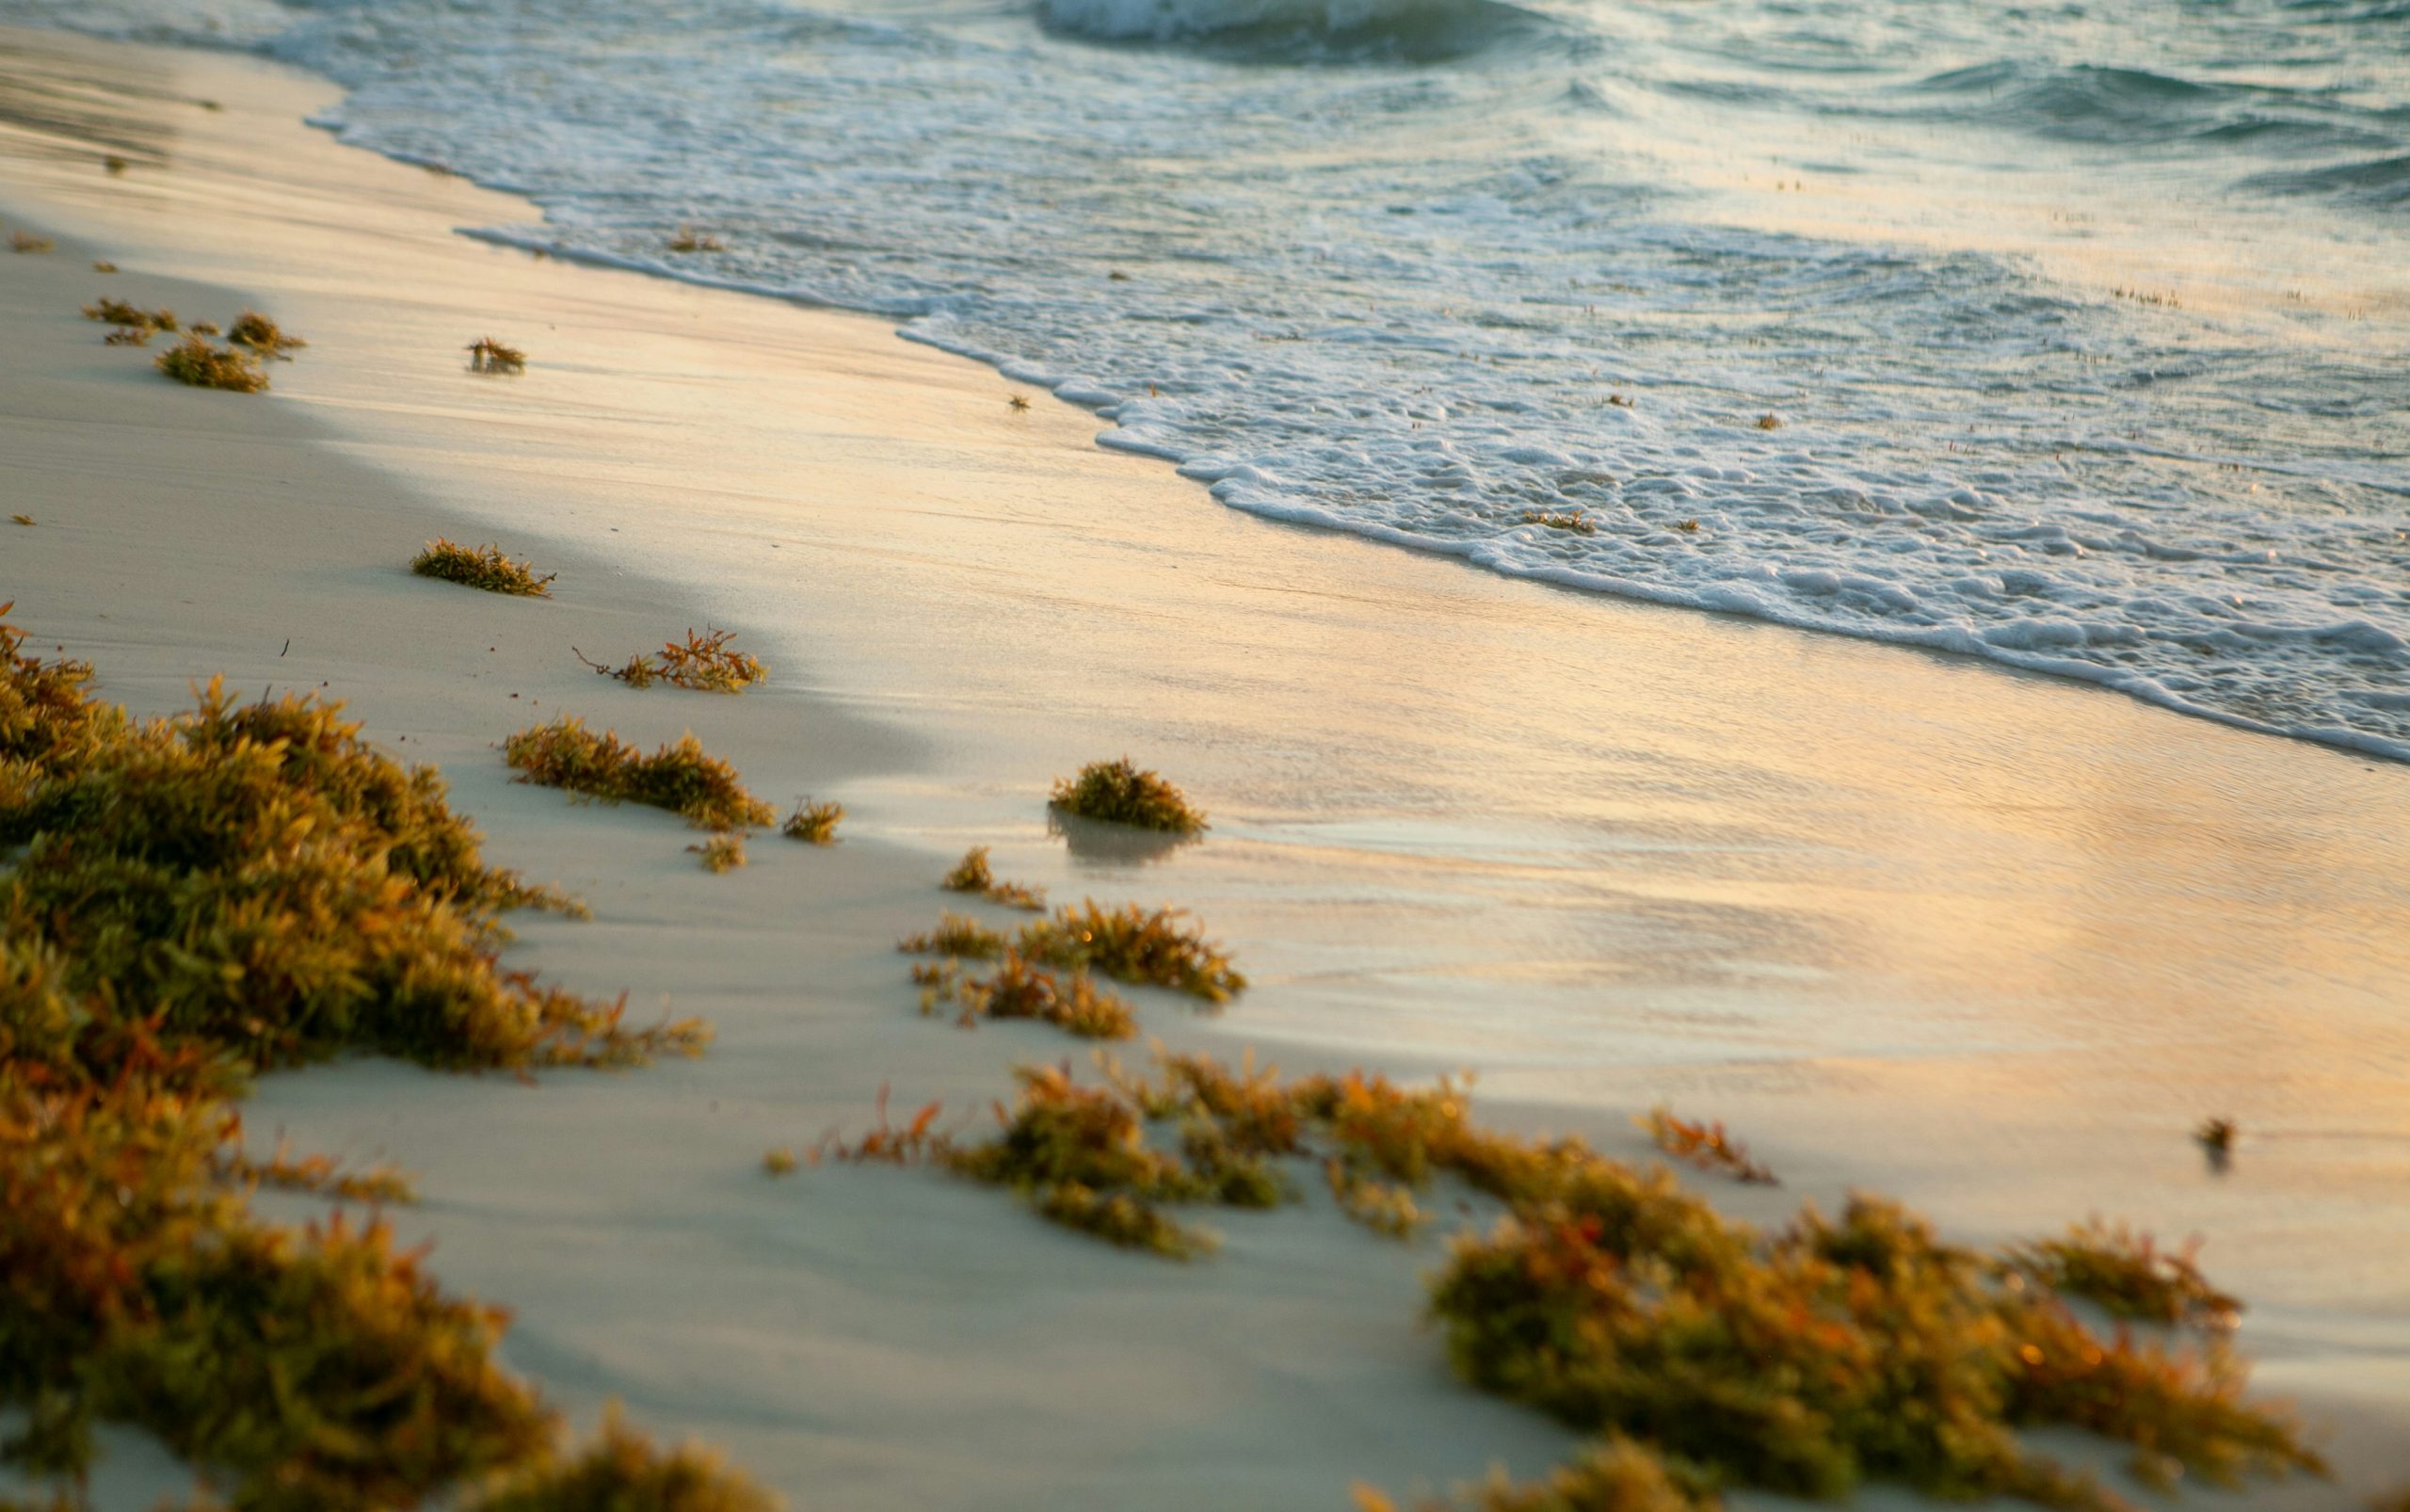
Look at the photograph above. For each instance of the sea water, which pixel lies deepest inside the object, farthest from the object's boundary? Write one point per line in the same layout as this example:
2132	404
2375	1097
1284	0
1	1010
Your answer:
2075	336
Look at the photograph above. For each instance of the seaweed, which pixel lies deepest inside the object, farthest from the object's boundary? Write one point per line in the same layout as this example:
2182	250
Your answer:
195	361
1572	521
480	566
682	777
954	936
1017	989
971	874
705	663
1616	1475
814	824
25	241
1080	1155
486	355
2127	1275
690	240
721	853
622	1472
1132	944
1705	1145
262	335
184	902
1116	791
119	312
1831	1353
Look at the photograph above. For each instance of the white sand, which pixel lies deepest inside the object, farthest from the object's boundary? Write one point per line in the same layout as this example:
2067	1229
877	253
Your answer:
1984	942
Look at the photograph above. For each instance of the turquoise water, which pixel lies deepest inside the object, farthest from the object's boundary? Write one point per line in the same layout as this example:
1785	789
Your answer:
2073	336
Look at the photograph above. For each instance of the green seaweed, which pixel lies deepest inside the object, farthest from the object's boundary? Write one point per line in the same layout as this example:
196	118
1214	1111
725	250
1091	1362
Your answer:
971	874
1118	791
1132	944
681	777
814	824
622	1472
480	566
195	363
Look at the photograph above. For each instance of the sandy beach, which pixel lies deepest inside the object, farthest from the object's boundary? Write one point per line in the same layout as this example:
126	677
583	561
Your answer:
1988	942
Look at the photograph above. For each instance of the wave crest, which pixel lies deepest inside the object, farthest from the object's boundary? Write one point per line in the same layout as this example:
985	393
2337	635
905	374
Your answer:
1414	30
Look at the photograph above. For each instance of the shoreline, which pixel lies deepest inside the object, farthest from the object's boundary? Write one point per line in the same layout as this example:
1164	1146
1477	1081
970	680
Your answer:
895	739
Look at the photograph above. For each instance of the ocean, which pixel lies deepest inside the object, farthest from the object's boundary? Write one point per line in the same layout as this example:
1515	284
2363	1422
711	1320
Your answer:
2073	336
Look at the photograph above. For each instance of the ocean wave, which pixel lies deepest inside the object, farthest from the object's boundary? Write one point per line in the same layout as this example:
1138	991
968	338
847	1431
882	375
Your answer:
2380	182
1302	30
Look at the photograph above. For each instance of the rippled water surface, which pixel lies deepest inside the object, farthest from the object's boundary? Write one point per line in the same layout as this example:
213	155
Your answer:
2077	336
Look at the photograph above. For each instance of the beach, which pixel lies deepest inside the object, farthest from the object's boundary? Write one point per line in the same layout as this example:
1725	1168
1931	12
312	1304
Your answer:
1986	941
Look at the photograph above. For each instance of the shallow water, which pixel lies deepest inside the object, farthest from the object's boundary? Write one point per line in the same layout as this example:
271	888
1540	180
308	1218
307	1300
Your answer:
2081	330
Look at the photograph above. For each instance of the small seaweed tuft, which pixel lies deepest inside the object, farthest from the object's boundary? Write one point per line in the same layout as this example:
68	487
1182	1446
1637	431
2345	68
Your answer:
1130	944
814	823
1705	1145
1769	421
119	312
487	355
2216	1139
1080	1156
104	266
884	1144
690	240
954	936
1570	521
705	663
622	1472
779	1162
1118	791
721	853
680	777
971	874
25	241
1617	1475
1018	989
262	335
196	363
480	566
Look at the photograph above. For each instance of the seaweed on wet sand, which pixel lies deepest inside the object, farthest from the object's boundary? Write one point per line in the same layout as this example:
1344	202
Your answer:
1118	792
480	566
488	354
189	902
814	823
679	777
195	363
971	874
1703	1145
705	662
1144	947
